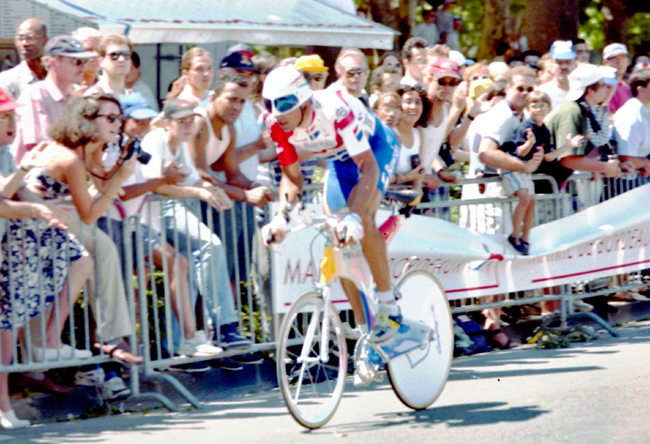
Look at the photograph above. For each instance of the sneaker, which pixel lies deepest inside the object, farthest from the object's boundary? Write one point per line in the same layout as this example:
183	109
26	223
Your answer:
8	420
198	345
230	337
92	378
387	322
64	352
249	358
115	388
227	364
581	305
190	367
636	295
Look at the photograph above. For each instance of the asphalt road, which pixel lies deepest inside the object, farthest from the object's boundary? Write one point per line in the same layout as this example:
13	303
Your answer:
594	393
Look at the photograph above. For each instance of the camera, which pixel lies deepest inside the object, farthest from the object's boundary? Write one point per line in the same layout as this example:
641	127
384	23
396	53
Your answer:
134	147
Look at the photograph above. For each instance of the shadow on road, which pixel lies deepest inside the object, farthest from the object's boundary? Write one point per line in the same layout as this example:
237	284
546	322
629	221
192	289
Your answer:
461	415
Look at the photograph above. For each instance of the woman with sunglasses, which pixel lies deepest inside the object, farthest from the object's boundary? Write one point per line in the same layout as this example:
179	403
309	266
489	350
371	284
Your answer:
80	136
34	266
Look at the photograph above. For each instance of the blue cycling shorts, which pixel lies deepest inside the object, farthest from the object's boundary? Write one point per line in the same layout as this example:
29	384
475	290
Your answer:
342	176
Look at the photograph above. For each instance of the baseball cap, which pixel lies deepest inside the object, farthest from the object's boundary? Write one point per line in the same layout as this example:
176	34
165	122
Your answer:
613	50
584	75
563	50
310	63
178	108
240	47
238	60
65	45
458	57
6	102
137	107
610	76
444	67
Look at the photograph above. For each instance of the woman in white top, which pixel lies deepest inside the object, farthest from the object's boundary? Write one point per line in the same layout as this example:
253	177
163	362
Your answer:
415	109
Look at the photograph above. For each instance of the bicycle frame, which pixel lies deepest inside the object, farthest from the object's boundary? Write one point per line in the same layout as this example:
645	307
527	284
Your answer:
349	263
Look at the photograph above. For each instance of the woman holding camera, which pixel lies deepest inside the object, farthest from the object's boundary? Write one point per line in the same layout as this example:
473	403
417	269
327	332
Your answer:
80	136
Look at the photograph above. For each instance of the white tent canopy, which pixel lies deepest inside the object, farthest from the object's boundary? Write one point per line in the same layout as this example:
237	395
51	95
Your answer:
256	22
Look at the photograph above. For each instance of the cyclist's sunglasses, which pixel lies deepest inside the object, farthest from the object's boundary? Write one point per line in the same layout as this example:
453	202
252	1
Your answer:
282	104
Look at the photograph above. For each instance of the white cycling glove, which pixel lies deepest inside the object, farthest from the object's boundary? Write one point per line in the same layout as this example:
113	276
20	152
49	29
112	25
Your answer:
350	227
277	223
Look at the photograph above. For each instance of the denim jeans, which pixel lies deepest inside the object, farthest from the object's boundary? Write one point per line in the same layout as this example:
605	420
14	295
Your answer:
208	266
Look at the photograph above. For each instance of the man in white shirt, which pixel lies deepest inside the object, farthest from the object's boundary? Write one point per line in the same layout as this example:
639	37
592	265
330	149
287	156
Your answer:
30	40
352	73
428	29
632	125
564	62
115	52
414	58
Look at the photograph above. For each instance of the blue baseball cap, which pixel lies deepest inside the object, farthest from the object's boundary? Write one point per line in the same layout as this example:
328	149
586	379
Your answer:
563	50
239	61
610	76
137	107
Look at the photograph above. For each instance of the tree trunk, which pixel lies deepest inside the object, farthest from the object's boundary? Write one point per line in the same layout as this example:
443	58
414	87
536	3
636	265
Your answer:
397	18
616	17
493	27
550	20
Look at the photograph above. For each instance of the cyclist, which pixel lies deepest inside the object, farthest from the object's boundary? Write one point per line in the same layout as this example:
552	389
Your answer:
362	154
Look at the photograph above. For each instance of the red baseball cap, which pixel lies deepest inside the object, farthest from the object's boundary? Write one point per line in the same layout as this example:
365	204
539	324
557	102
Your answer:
443	67
6	102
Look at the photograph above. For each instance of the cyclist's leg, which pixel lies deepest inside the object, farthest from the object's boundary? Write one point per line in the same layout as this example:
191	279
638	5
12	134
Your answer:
335	200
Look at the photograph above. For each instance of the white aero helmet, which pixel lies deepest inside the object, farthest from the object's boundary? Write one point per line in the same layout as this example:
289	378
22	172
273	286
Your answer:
285	89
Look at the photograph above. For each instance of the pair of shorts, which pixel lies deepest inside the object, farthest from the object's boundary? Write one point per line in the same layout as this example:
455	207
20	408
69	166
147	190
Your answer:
513	181
342	176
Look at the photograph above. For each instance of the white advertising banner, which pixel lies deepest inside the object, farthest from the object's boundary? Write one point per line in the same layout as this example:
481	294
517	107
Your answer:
604	240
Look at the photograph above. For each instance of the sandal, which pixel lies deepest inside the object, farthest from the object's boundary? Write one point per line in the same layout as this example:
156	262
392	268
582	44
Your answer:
498	339
517	244
525	246
120	352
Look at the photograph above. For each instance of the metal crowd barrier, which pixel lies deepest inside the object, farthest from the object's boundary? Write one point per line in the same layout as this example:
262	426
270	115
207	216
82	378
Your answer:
149	291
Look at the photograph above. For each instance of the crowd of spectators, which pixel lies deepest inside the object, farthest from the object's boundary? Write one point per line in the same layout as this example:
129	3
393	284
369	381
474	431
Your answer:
75	106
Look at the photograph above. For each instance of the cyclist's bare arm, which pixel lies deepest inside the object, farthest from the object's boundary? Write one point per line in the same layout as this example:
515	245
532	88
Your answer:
290	185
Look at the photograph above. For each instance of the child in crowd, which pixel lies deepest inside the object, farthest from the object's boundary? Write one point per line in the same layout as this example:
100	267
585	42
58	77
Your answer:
531	135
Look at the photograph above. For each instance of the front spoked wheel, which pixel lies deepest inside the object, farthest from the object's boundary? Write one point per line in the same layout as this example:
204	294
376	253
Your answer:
419	376
311	361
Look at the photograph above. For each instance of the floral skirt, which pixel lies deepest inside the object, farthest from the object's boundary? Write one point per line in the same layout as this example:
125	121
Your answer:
35	259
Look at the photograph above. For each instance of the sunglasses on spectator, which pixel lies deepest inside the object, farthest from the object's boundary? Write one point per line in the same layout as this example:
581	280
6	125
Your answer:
74	61
408	88
116	55
281	105
111	118
448	82
355	72
396	65
528	89
477	77
315	77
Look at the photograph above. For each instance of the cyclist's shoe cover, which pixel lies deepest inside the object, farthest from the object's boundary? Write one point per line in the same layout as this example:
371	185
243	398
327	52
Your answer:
396	335
409	336
364	373
387	323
